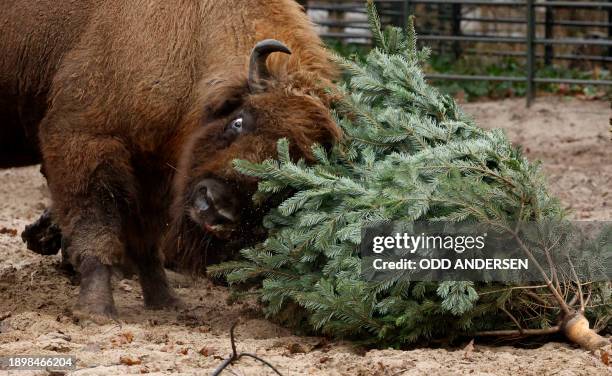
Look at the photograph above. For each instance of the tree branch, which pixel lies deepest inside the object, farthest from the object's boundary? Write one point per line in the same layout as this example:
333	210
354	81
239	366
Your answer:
549	284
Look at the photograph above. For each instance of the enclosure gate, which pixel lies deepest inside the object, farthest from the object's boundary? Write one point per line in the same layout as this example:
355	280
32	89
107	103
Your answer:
397	11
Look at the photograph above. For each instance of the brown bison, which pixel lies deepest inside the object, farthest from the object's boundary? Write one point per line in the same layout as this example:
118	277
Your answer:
141	106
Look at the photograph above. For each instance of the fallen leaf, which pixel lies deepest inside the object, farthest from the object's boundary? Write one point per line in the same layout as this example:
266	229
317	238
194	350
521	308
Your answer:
8	231
324	359
184	351
122	339
129	361
207	351
605	357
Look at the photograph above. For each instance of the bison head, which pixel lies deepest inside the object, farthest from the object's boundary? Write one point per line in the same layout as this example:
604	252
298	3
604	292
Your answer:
243	118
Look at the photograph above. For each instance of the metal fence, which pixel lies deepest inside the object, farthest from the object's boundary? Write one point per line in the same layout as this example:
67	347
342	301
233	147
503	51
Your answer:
335	24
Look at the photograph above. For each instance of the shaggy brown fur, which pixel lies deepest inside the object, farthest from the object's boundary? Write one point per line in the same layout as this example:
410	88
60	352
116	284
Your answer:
34	37
131	91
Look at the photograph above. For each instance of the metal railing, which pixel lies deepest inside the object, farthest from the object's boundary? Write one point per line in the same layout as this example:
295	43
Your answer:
397	11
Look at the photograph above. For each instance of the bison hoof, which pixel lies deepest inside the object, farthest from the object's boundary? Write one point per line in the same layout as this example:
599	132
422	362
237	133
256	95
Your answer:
43	236
100	314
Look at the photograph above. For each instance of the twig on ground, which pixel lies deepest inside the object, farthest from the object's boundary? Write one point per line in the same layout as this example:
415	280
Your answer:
234	356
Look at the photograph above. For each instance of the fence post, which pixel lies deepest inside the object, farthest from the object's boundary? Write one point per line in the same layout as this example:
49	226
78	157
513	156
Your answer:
338	16
405	14
610	30
456	28
548	34
531	29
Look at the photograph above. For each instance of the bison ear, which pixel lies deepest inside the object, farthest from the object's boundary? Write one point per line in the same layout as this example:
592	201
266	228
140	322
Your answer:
258	71
223	97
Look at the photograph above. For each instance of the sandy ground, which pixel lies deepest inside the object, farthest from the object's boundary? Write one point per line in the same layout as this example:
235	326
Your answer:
569	136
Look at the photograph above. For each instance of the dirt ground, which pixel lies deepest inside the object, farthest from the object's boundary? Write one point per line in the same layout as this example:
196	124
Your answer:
569	136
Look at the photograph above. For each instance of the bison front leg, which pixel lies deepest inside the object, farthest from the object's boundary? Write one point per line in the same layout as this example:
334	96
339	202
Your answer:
143	238
96	294
91	186
156	289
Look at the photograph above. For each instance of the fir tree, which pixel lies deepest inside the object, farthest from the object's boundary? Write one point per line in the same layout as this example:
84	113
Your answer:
408	153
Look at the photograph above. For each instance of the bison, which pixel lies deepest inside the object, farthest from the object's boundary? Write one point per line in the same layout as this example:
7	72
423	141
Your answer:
138	109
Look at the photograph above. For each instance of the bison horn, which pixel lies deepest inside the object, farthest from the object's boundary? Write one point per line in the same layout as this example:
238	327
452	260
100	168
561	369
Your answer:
258	71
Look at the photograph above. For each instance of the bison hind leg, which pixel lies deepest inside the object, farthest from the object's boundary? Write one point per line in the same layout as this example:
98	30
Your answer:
43	236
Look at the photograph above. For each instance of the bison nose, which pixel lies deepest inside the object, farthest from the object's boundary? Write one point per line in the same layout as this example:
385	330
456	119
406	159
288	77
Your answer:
201	201
213	203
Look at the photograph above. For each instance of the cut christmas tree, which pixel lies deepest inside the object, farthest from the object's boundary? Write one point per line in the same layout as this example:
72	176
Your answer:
409	154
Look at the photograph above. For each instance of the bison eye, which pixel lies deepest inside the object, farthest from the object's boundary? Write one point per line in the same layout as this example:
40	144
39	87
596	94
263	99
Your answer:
236	125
